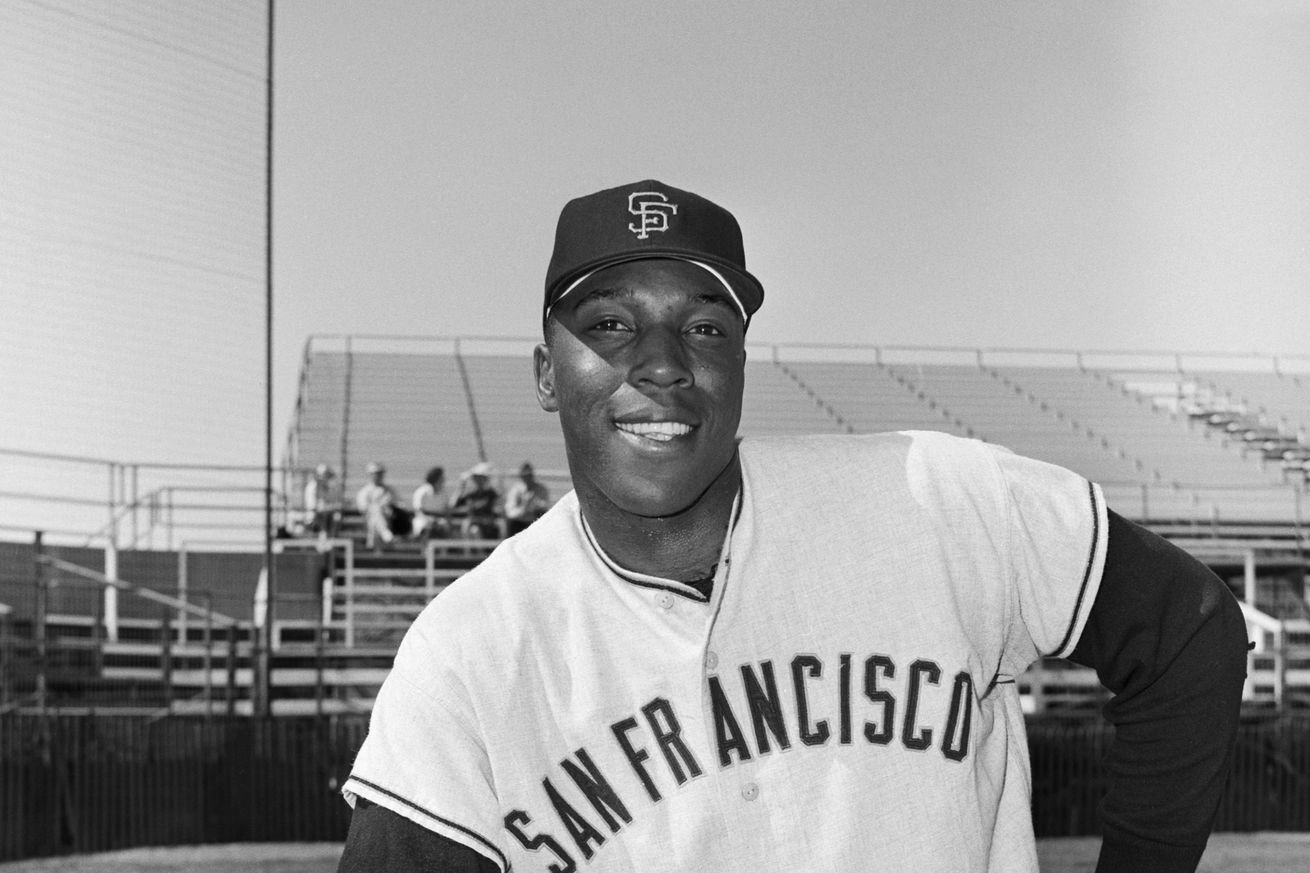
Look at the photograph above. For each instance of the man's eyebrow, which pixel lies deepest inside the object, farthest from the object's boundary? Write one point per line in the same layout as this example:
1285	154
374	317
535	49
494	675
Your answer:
605	292
719	299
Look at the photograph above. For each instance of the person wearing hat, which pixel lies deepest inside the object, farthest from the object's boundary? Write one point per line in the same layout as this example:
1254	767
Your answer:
384	517
525	501
701	659
322	504
475	503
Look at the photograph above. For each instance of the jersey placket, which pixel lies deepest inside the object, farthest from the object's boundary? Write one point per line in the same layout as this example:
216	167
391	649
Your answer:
680	623
737	788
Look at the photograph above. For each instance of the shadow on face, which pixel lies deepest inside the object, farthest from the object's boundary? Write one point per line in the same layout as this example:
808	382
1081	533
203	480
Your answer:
644	363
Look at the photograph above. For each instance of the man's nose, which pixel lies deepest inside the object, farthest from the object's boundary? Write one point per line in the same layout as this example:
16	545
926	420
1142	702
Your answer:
660	360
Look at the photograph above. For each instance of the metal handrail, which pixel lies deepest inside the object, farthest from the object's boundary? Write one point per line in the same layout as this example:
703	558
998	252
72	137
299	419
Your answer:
141	591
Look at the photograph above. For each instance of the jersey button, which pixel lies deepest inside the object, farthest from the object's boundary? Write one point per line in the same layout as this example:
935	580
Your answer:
664	600
750	791
711	661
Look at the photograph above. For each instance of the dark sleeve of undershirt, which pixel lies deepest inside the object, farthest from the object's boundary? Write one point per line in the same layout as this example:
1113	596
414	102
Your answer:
380	841
1167	637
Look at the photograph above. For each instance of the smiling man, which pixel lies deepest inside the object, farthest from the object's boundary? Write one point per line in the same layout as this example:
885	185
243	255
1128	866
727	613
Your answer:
644	363
702	660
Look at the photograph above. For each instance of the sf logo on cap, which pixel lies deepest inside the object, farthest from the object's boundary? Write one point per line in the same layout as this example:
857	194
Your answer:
652	210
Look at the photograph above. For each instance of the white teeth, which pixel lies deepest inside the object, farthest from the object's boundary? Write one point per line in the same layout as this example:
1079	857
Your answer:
661	431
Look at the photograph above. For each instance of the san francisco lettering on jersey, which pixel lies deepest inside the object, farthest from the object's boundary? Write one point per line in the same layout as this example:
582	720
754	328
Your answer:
758	709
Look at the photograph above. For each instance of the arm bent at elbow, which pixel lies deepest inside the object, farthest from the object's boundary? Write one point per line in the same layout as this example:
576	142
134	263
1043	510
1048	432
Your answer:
1168	638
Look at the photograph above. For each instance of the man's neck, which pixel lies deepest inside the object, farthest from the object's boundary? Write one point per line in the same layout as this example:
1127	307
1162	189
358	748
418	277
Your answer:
684	546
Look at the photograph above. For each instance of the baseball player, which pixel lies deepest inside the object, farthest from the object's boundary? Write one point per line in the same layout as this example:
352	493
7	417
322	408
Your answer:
701	660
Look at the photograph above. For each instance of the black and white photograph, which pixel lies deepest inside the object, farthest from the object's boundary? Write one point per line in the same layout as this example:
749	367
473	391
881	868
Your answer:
474	437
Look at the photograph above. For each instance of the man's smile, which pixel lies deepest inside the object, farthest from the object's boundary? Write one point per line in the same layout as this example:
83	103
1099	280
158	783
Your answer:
659	431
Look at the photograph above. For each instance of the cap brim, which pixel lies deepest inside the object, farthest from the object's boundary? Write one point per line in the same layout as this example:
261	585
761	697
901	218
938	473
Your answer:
744	288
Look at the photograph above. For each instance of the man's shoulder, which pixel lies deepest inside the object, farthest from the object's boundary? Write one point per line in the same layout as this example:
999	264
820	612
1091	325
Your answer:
854	467
489	607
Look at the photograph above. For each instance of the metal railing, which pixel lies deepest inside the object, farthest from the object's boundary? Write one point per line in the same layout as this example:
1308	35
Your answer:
85	501
75	652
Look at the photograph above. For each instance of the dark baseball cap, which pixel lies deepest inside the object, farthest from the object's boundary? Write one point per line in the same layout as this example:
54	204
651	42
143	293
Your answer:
648	220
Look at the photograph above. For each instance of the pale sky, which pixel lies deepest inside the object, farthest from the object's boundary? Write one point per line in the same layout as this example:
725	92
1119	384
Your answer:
1105	175
1094	175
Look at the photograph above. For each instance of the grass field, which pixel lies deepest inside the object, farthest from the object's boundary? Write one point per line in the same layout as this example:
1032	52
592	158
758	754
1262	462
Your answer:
1227	853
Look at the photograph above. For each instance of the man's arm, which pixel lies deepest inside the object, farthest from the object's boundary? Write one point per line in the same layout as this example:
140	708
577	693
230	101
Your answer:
1168	638
380	841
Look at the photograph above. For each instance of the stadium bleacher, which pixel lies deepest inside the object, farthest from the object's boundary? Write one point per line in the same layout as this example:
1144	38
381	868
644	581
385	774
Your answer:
407	410
415	403
869	398
512	426
1283	397
1170	446
775	404
1119	424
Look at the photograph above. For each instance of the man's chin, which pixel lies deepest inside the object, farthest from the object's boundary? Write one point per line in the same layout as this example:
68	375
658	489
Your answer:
658	507
654	491
673	501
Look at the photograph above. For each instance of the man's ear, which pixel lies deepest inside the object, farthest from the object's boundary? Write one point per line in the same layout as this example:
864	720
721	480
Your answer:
544	368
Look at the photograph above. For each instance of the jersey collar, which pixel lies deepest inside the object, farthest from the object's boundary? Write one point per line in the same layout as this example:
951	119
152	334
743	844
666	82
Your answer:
673	586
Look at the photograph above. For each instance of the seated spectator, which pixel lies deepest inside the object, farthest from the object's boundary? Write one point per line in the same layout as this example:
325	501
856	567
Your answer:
526	501
475	502
430	504
322	507
384	517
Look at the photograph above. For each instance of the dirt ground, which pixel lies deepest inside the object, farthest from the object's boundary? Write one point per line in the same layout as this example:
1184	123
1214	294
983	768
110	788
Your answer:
234	858
1227	853
1264	852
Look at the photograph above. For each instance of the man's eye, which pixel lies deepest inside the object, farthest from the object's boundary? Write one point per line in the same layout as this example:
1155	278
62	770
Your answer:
705	329
609	324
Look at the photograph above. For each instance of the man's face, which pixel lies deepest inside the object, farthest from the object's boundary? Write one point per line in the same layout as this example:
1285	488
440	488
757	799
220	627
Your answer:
644	362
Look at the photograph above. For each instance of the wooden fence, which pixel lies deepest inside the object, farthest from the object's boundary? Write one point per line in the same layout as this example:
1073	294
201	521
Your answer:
1268	787
71	784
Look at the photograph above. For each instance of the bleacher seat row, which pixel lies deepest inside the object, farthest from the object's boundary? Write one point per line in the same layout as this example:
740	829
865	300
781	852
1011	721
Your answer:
413	409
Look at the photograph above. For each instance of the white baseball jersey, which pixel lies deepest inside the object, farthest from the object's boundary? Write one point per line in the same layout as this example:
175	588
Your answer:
844	699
